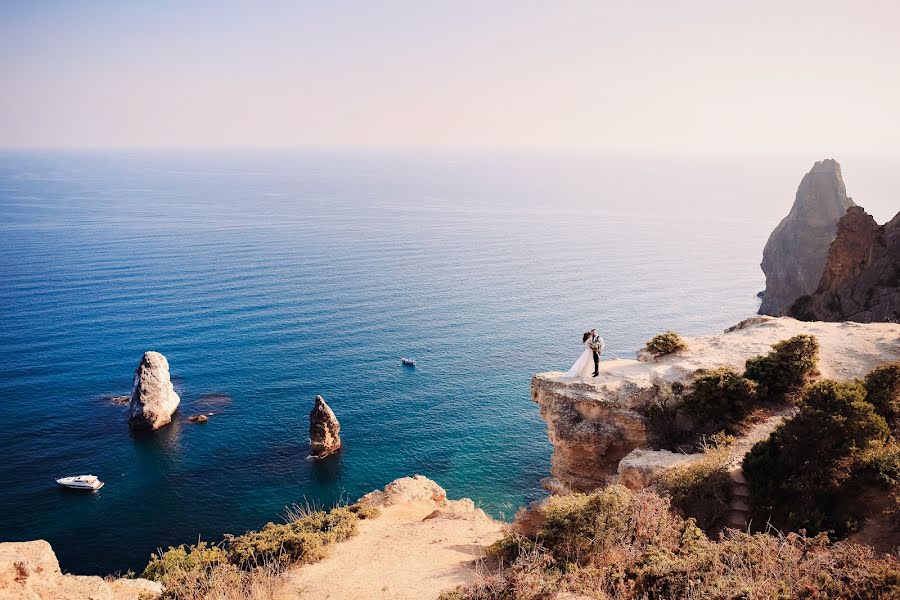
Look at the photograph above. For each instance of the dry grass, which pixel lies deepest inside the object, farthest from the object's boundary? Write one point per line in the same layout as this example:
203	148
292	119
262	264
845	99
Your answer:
626	545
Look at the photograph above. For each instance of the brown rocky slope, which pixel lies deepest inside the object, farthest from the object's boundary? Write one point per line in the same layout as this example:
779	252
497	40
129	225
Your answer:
861	279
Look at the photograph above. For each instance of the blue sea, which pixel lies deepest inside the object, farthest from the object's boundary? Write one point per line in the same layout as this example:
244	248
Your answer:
269	277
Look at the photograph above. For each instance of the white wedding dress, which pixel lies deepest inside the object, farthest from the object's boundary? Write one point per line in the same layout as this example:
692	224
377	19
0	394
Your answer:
584	366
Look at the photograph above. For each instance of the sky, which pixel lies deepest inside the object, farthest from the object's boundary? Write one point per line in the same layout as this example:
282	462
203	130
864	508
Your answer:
704	77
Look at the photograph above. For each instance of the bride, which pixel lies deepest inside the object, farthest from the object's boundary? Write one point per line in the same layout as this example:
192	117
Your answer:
584	366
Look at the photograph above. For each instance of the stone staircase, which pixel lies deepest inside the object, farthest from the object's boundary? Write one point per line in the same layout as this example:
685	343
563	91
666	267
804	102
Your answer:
739	515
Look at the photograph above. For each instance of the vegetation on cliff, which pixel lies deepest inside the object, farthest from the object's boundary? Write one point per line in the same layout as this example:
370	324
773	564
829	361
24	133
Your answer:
616	543
251	561
722	400
665	343
808	472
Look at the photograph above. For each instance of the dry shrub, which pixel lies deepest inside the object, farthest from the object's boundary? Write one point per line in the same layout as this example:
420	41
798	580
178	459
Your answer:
702	489
250	561
622	544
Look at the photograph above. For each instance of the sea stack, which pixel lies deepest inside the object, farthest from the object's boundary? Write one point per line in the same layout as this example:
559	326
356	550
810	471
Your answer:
324	430
795	255
153	399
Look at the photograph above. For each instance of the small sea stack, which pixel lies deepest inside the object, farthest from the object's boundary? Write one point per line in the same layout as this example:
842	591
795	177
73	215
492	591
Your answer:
324	430
153	399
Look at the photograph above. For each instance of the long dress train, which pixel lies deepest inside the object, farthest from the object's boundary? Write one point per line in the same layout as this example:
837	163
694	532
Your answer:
584	366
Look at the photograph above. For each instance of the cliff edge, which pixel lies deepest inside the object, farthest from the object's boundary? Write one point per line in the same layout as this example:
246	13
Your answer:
420	545
595	422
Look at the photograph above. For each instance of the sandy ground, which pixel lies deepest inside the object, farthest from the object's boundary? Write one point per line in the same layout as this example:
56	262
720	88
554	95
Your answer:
401	555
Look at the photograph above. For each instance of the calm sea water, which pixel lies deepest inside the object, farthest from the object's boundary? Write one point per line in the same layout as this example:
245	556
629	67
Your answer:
269	278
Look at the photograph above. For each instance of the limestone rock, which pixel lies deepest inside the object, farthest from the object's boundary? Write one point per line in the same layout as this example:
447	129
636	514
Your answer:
641	467
30	571
861	279
794	256
198	419
417	488
594	423
153	399
324	430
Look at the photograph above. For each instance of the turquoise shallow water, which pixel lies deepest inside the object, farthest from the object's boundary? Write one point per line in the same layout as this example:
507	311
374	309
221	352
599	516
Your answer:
269	278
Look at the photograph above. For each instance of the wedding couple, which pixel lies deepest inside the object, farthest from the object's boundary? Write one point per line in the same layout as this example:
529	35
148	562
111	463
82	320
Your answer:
593	347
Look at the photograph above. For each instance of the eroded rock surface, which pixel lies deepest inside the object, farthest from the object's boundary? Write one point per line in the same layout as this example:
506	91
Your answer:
794	256
153	399
324	430
30	571
861	279
593	423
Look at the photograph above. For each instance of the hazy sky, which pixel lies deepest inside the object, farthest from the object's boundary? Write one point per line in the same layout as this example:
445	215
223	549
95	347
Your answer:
690	76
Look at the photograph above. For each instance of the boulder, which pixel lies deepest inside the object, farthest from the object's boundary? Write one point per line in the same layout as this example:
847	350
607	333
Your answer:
417	488
153	399
30	571
861	279
794	256
324	430
198	419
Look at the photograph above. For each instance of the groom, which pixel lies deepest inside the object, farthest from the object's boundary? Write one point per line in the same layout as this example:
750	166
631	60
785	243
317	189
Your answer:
597	345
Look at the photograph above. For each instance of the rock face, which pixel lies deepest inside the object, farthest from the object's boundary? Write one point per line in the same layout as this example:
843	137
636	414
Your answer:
30	571
593	423
794	257
861	279
324	430
153	399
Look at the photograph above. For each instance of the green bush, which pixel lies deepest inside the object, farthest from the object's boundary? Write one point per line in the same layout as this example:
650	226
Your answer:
701	490
720	400
665	343
246	562
184	559
883	392
795	474
304	540
786	369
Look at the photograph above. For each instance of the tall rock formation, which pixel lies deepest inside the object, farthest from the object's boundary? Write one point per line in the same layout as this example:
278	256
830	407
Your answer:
153	399
795	254
324	430
861	279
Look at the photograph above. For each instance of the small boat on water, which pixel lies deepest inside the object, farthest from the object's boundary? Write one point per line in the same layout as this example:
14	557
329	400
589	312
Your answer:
81	482
408	361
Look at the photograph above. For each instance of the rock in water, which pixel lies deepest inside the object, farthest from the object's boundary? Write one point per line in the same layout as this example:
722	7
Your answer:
153	399
324	430
794	256
861	280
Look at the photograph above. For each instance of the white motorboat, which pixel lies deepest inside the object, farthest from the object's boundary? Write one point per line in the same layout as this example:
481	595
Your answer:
81	482
408	361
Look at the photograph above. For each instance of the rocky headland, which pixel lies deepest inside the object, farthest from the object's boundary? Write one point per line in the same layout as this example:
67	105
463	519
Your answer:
861	278
421	544
153	398
594	423
794	255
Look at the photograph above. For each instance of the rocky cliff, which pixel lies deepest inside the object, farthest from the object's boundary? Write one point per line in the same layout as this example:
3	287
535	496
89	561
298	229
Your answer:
30	571
593	423
794	256
861	278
